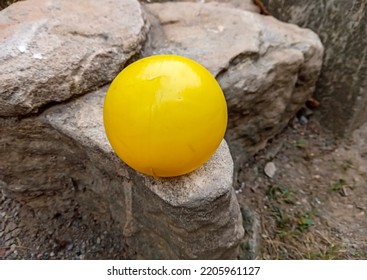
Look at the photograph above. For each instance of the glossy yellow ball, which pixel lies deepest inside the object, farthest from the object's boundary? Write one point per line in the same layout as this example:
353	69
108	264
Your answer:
165	115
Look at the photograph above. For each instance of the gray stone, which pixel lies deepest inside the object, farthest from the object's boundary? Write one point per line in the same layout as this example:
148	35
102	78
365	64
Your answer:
15	232
8	240
267	69
250	245
61	157
270	169
13	247
190	206
247	5
342	87
70	246
10	227
51	50
200	211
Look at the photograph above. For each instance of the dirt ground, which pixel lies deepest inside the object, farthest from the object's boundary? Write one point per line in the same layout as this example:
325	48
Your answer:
315	204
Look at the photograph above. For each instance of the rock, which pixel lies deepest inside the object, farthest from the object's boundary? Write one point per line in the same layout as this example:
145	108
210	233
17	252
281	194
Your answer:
70	246
266	68
69	142
247	5
8	240
191	206
52	50
13	247
15	232
59	162
341	26
10	226
270	169
250	246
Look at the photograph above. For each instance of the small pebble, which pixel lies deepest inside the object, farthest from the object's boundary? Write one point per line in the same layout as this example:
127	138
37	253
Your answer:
303	120
13	247
10	227
52	254
98	240
8	236
70	246
270	169
15	232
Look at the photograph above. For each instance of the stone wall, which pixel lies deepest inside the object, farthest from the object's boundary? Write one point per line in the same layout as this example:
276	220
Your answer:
267	69
56	60
342	27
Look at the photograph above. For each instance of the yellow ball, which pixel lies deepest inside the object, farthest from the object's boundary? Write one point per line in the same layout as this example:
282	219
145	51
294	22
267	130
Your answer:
165	115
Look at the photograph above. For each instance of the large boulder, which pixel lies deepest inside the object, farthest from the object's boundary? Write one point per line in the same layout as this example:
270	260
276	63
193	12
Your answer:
342	87
51	50
267	68
63	156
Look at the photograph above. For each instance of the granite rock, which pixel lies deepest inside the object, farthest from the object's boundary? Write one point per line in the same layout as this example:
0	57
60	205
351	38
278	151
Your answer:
342	86
267	68
52	50
66	159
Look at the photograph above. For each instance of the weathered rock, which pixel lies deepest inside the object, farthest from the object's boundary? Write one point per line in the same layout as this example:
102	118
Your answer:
66	157
250	246
266	68
61	162
55	49
342	87
190	206
270	169
247	5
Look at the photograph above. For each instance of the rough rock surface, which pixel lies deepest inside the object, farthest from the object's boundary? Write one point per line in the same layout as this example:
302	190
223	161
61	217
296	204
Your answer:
342	87
247	5
267	69
53	50
58	162
67	159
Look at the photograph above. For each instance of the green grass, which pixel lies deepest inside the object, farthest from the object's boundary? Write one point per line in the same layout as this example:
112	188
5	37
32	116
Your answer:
332	252
280	193
337	186
301	144
305	221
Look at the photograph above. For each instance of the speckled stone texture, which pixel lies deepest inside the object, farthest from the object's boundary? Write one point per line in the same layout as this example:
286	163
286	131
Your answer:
342	27
266	68
55	58
192	207
53	50
65	157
